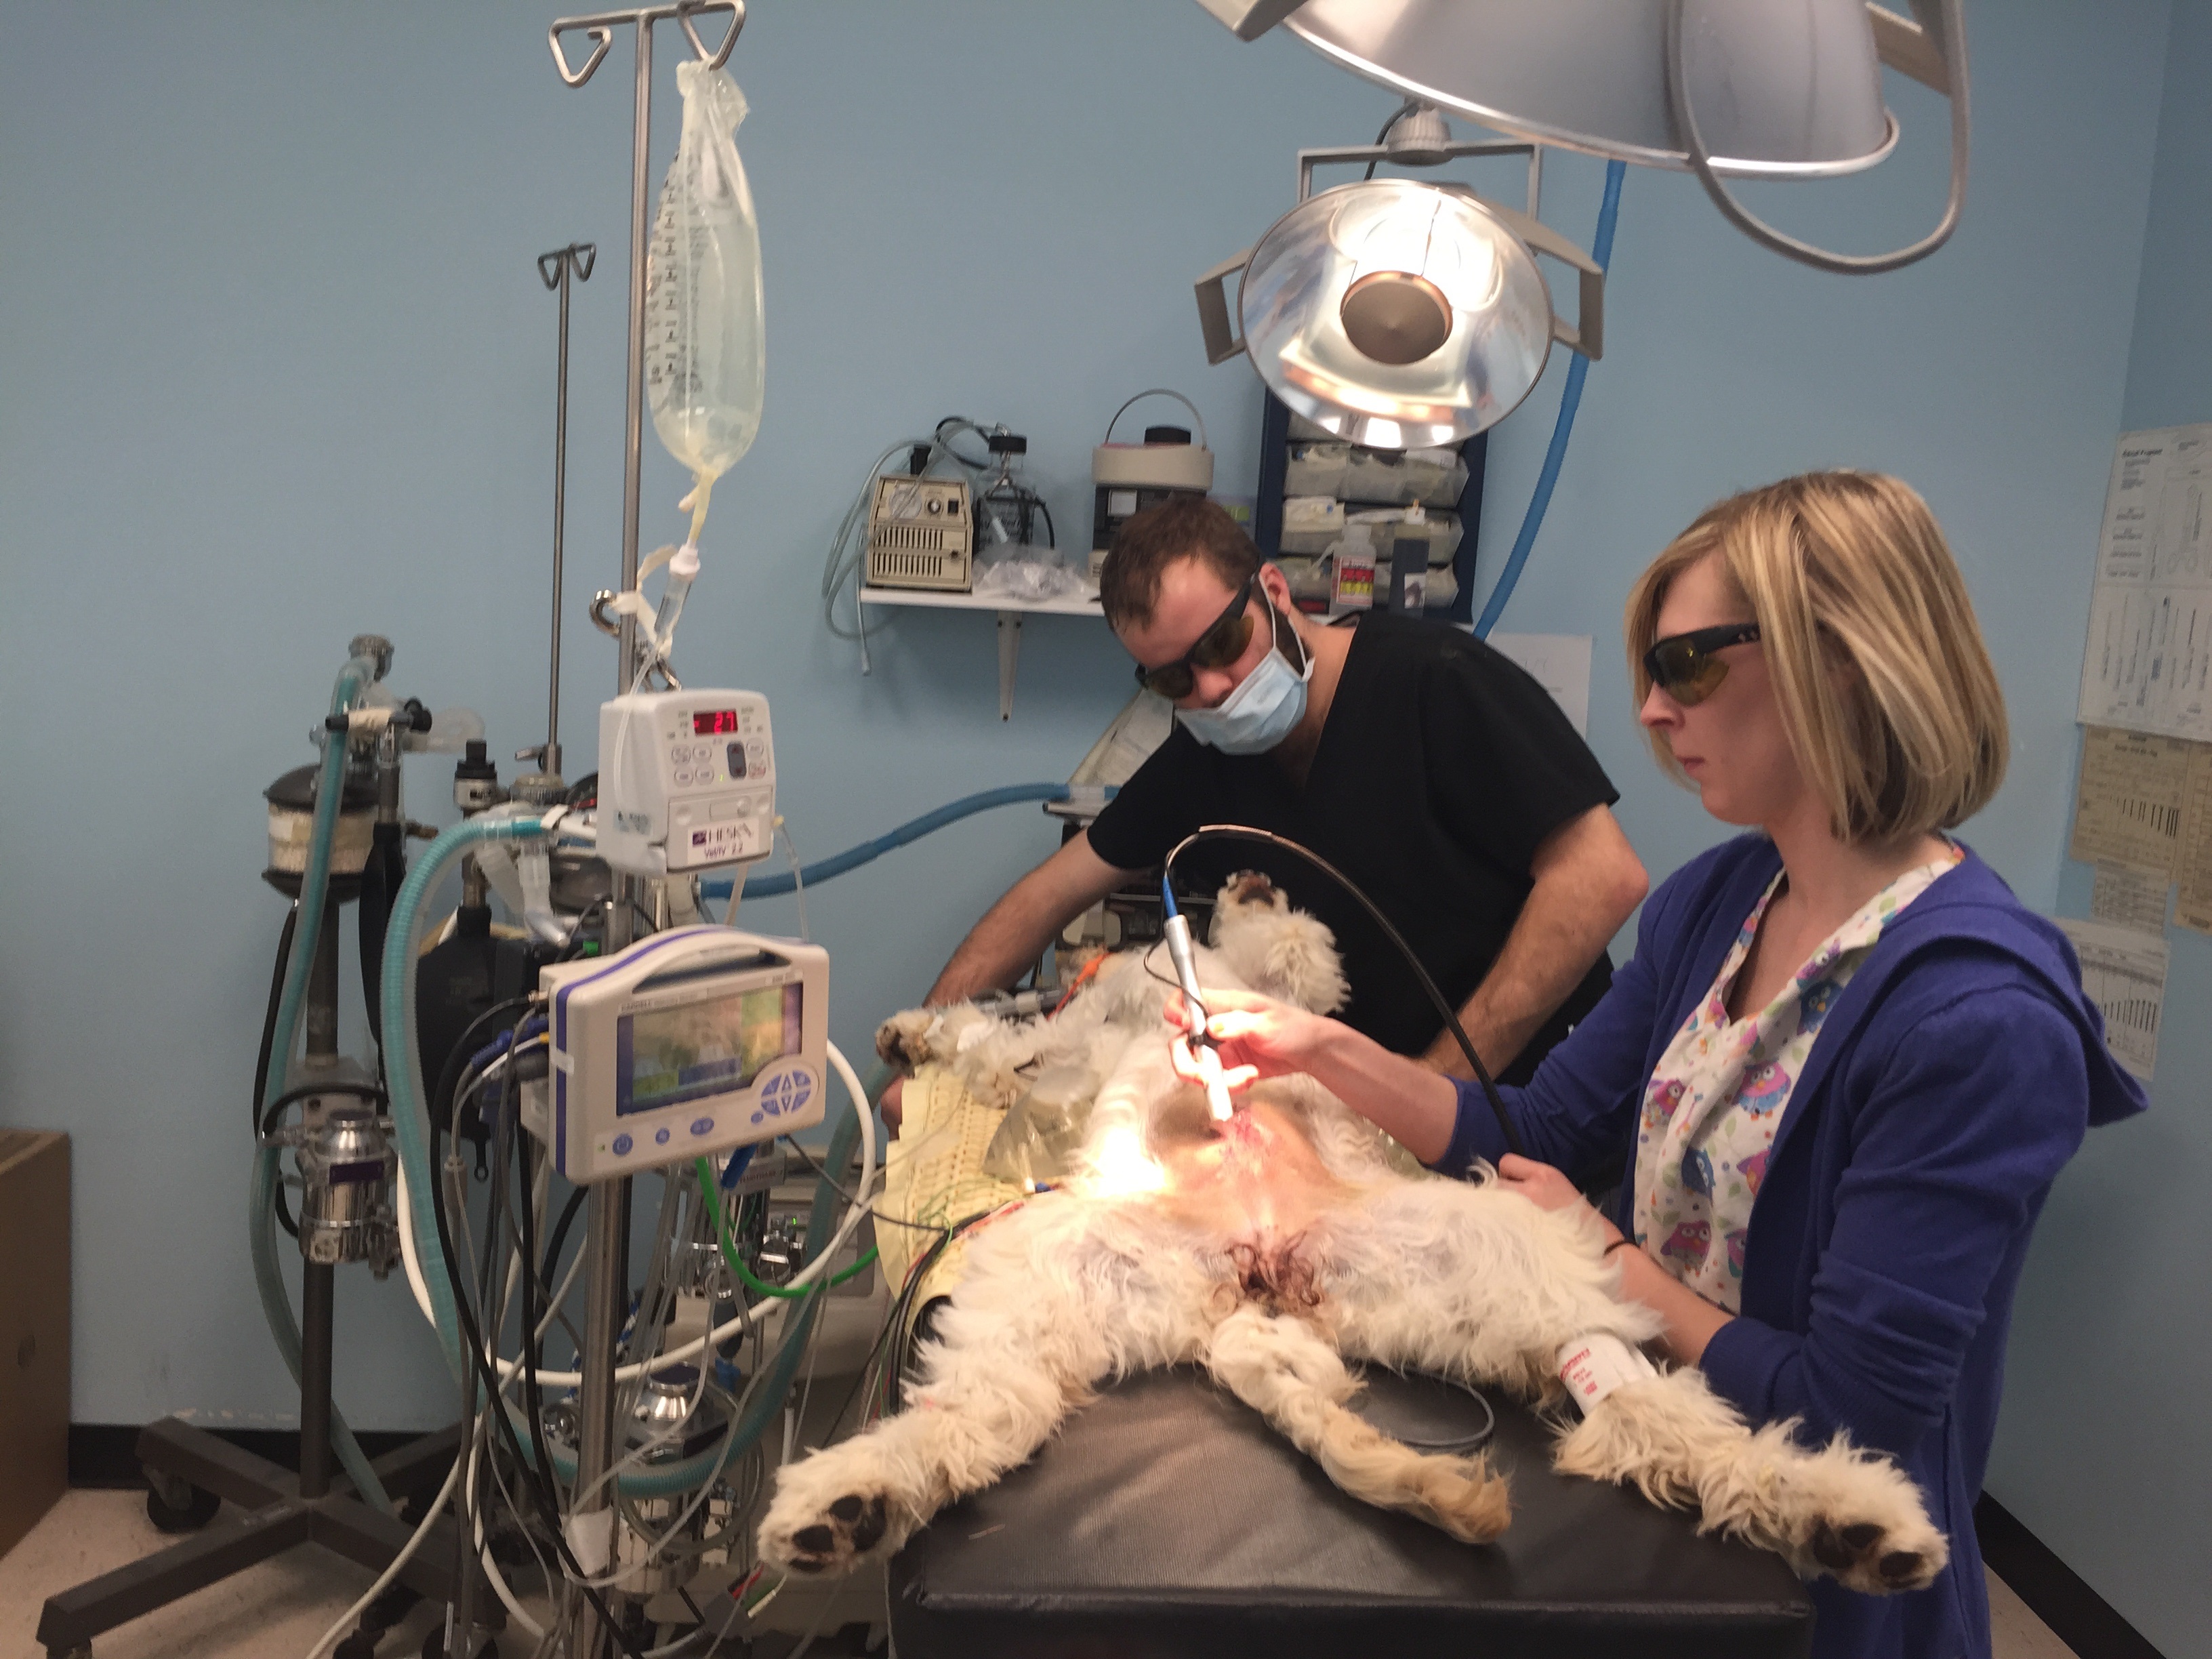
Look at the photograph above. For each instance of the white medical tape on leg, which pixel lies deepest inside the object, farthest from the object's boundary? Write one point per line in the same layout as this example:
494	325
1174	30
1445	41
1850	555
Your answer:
1594	1365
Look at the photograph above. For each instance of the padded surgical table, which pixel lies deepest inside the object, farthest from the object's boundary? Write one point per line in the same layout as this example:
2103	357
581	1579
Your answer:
1168	1520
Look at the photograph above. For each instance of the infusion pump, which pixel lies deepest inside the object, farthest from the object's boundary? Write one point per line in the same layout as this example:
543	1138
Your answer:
689	1043
687	780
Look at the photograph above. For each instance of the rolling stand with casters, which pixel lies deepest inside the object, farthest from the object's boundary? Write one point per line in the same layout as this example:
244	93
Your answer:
343	1216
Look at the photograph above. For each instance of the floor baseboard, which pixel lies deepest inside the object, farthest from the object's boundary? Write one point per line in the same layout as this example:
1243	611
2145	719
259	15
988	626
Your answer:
2054	1592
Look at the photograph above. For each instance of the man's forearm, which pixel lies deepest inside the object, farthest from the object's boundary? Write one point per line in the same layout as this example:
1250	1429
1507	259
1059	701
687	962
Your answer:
1587	881
993	956
1014	931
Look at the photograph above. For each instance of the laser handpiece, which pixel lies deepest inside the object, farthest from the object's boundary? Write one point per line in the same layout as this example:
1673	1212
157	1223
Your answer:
1177	931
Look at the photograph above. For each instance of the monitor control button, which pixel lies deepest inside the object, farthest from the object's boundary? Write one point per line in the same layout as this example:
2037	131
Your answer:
623	1144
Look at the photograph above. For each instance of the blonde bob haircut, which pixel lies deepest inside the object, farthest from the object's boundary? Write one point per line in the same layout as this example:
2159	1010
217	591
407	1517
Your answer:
1886	688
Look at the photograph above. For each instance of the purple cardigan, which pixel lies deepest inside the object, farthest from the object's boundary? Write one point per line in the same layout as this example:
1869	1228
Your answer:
1951	1080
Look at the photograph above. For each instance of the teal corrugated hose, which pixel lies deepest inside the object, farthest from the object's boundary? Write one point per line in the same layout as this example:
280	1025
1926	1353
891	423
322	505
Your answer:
261	1220
411	1120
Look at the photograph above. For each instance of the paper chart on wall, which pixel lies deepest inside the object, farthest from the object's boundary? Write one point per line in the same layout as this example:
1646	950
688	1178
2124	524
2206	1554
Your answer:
2124	972
2149	664
2129	899
2192	864
2128	804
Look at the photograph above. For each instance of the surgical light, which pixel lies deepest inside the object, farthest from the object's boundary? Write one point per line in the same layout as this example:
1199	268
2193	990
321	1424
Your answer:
1397	313
1724	88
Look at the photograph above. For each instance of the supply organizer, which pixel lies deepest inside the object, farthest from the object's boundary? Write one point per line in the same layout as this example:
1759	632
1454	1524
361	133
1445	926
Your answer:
1325	504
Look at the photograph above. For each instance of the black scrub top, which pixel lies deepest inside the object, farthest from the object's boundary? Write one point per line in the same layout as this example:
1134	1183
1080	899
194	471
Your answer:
1442	766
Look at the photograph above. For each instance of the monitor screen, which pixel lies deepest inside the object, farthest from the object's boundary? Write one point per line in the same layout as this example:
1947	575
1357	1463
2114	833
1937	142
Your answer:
712	1047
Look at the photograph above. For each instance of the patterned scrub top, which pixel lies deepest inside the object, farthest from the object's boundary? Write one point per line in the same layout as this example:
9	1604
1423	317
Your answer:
1715	1099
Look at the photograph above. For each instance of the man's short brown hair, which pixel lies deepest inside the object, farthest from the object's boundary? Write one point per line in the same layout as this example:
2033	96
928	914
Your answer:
1183	527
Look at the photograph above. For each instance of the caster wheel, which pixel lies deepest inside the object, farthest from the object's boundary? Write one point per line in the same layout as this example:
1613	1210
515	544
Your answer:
82	1650
195	1512
359	1646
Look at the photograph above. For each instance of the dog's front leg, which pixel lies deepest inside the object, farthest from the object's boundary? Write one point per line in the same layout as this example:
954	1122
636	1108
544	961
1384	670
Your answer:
1055	1299
1838	1511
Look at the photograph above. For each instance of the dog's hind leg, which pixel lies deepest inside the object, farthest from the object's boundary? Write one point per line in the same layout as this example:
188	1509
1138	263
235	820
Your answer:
1283	1369
1838	1511
1057	1297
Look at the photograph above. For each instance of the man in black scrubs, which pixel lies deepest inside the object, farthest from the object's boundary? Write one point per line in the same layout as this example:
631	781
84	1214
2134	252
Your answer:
1432	770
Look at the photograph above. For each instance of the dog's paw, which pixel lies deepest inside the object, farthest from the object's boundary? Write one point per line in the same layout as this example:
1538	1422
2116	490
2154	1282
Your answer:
1250	892
903	1040
834	1539
1868	1528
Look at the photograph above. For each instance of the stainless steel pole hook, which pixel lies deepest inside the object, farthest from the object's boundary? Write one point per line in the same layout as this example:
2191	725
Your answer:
687	10
602	37
579	257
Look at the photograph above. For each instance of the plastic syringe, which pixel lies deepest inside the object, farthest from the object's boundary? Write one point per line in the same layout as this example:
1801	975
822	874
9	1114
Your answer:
1177	931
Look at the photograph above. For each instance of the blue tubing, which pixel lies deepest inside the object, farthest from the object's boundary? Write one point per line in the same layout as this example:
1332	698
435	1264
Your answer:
767	884
261	1197
1570	400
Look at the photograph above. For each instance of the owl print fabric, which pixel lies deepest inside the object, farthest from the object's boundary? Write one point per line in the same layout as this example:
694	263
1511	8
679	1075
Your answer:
1716	1098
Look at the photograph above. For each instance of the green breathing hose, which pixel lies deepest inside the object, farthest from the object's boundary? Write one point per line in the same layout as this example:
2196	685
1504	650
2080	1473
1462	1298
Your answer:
706	1171
261	1199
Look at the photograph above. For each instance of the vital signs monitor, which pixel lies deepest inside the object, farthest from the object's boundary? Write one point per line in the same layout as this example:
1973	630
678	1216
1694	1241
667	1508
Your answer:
691	1042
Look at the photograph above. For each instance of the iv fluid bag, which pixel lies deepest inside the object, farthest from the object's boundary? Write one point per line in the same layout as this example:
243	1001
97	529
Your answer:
703	287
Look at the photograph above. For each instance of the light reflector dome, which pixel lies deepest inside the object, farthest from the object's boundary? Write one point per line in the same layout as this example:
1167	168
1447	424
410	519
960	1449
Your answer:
1783	89
1399	314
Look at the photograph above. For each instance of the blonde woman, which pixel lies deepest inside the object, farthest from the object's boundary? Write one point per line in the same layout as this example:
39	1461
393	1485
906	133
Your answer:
1846	1063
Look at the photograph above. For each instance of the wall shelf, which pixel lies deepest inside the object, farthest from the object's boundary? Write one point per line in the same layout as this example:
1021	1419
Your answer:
1010	613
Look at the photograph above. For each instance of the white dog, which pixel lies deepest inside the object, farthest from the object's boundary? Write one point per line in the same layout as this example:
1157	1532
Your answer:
1270	1248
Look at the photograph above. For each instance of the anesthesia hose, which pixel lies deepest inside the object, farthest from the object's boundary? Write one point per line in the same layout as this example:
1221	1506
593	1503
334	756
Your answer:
261	1204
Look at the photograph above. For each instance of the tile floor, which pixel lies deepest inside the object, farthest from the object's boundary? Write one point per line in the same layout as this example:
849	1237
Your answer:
276	1610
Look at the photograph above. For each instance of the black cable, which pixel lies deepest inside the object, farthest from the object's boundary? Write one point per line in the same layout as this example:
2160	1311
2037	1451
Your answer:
1383	136
1269	838
560	1235
268	1044
457	1058
918	1226
548	1510
275	999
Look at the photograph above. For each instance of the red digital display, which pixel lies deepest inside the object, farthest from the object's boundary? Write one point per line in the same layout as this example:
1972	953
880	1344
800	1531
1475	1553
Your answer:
708	722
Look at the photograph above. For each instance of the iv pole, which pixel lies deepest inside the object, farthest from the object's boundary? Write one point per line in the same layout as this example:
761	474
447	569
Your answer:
606	1209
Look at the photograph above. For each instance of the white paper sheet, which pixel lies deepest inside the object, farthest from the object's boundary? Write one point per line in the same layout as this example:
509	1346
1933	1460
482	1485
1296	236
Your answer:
1560	663
2149	664
2124	971
2129	899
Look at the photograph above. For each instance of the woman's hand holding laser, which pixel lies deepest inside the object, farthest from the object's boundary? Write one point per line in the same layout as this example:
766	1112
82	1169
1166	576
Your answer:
1255	1037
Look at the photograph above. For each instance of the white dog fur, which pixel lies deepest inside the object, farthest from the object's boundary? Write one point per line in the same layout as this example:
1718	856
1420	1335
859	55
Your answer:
1269	1250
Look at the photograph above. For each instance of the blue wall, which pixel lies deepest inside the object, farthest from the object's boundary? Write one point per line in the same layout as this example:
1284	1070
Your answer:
275	369
2104	1448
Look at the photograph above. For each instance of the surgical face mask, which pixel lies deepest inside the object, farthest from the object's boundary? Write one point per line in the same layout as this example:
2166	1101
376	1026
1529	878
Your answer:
1261	712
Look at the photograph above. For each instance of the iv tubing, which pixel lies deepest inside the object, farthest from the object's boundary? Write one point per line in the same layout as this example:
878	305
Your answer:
1570	400
261	1219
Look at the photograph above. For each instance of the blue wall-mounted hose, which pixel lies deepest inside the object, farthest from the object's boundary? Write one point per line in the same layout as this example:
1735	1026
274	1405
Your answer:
768	884
1570	400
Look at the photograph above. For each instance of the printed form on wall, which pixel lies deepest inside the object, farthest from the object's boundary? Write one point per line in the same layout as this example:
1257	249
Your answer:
2192	867
2128	806
2148	666
2124	972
